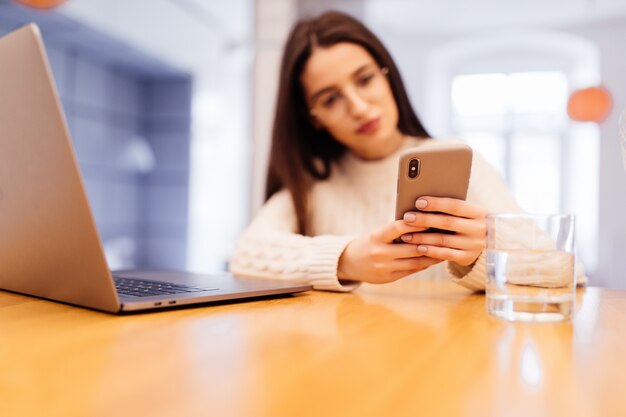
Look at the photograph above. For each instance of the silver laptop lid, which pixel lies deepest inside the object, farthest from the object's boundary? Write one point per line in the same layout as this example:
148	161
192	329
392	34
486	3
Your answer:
49	245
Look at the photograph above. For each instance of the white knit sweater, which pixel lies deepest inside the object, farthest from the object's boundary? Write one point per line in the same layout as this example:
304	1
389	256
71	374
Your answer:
358	198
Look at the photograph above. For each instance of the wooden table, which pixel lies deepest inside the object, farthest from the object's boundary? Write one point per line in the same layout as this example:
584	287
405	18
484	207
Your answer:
413	348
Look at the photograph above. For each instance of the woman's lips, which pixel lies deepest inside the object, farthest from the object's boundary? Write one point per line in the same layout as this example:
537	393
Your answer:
369	127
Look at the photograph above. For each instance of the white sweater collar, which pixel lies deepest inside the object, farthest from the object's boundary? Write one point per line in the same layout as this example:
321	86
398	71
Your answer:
374	171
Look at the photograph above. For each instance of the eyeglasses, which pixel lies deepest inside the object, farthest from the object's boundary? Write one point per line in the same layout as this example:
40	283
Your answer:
333	104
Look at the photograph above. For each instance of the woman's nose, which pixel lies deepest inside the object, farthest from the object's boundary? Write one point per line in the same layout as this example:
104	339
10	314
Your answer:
357	105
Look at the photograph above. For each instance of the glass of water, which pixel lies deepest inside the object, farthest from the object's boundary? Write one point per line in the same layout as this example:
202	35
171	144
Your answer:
530	267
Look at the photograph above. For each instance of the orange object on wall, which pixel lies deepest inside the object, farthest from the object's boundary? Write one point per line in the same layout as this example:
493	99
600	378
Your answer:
41	4
589	104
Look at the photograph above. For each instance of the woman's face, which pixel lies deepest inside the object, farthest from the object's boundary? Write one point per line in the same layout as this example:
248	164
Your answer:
349	95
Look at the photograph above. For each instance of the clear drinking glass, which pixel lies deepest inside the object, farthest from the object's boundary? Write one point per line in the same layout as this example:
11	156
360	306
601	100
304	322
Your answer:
530	266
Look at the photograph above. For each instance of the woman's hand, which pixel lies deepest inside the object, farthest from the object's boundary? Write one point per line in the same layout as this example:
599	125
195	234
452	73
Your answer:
465	219
376	259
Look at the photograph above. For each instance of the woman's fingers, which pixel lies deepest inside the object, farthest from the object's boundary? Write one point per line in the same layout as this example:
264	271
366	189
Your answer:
410	266
389	233
374	258
444	222
462	257
467	220
398	251
370	260
455	241
453	206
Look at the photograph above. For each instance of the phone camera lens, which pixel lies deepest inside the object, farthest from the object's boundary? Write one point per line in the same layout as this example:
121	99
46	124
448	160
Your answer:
414	168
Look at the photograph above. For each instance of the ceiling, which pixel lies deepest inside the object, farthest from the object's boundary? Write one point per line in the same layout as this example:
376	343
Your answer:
189	34
203	26
457	16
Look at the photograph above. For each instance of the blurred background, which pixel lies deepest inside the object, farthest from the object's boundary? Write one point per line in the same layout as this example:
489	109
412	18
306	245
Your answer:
170	105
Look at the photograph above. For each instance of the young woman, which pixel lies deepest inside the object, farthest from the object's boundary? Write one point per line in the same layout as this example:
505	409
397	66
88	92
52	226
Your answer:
342	119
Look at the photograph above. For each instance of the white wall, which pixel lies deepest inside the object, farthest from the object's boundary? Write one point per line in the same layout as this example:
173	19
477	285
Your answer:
214	42
273	22
610	37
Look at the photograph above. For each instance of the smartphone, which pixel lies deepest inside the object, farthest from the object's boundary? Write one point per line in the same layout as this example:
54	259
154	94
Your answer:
434	169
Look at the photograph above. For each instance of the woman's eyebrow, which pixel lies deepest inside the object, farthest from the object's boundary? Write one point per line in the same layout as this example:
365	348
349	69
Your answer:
321	92
362	68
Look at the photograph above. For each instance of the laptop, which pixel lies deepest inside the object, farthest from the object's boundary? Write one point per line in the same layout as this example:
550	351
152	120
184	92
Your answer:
49	244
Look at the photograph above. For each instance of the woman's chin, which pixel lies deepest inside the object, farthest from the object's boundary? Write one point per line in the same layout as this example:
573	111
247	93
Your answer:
376	146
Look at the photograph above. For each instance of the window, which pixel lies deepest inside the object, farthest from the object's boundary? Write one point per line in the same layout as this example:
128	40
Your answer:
501	116
517	121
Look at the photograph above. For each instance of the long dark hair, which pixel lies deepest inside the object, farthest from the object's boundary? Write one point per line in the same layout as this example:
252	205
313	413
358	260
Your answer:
301	153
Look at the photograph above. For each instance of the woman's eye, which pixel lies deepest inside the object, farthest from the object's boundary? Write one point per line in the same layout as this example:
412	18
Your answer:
365	79
330	100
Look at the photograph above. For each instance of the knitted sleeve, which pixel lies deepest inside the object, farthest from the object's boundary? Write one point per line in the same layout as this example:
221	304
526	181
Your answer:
271	248
489	190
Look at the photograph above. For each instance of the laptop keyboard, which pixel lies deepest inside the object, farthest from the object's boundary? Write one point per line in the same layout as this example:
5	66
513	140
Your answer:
147	288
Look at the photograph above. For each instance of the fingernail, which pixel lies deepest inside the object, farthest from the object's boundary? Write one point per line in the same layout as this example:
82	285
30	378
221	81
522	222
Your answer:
406	238
409	217
421	203
422	248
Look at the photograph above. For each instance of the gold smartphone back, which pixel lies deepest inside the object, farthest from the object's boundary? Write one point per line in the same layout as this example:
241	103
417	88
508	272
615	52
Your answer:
443	170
